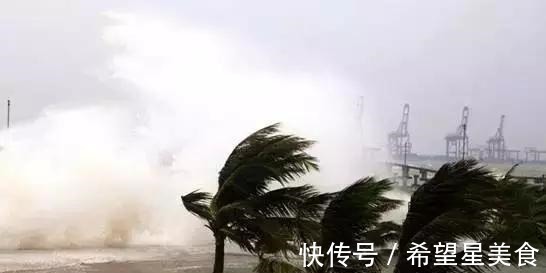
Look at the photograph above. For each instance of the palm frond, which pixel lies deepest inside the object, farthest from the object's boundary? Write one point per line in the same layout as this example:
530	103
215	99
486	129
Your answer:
355	210
354	216
508	174
383	233
271	235
282	202
242	237
246	149
520	213
308	218
260	159
197	203
314	206
268	223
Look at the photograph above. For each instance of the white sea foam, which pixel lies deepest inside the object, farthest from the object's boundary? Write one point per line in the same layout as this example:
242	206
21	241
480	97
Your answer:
112	173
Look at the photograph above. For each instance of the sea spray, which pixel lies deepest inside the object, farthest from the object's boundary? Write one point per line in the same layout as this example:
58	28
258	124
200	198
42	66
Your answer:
111	174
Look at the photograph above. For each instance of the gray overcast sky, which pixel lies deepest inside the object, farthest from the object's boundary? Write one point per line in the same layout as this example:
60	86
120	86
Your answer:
436	55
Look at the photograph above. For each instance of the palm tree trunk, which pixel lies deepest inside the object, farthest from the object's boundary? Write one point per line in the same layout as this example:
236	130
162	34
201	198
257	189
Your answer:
219	253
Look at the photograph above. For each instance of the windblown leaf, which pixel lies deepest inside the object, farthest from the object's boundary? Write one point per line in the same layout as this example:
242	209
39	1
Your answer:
260	159
356	210
198	204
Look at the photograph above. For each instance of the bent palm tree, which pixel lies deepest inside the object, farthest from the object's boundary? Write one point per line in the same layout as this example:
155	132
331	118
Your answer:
449	207
518	214
244	210
354	216
350	216
466	202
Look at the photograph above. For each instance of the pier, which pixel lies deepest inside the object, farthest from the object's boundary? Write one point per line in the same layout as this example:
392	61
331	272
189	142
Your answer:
411	177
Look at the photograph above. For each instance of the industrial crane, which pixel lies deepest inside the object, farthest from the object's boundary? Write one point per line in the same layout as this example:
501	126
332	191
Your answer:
496	147
457	143
399	140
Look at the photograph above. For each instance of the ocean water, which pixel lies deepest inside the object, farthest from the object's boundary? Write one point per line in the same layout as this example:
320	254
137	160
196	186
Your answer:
149	259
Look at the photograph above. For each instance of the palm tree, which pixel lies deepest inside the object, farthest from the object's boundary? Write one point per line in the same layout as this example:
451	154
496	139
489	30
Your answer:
466	202
518	213
350	216
244	209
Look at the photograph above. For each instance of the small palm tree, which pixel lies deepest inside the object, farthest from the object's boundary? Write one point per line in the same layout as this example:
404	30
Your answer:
244	209
350	216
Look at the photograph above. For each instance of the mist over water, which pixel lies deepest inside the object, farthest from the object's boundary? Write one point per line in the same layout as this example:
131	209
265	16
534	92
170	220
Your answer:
111	174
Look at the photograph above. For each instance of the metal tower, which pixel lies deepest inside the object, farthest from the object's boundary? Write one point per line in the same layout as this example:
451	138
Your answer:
496	147
457	143
399	140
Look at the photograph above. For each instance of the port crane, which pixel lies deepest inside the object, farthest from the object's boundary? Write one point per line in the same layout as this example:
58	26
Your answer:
496	146
457	142
399	140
